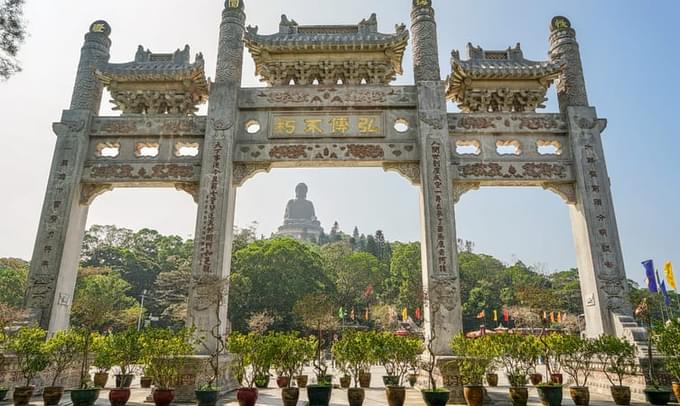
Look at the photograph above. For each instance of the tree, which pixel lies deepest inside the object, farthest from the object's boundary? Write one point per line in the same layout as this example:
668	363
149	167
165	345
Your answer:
101	302
169	297
12	35
356	273
271	276
13	276
404	286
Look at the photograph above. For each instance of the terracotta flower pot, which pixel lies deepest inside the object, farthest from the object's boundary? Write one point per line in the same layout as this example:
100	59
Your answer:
676	391
100	379
396	395
474	395
492	380
52	395
290	396
119	396
163	397
621	395
84	397
145	382
301	380
345	381
557	378
246	396
22	395
536	378
435	398
519	395
580	395
365	379
412	379
355	396
282	381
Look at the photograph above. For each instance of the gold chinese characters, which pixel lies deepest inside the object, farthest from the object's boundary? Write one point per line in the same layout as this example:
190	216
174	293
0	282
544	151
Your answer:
327	126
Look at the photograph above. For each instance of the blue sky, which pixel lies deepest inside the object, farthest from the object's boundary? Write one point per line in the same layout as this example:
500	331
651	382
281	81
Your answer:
630	56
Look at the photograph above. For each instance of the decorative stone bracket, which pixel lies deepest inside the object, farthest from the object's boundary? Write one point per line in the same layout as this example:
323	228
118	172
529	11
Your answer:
409	170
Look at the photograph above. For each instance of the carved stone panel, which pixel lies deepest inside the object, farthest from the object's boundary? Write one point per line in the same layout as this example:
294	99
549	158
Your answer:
409	170
321	96
505	123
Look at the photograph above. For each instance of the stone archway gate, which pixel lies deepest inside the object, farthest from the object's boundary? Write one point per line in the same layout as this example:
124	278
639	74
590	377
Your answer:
330	103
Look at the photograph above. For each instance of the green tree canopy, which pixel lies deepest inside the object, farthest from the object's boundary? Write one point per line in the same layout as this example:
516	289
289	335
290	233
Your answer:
271	276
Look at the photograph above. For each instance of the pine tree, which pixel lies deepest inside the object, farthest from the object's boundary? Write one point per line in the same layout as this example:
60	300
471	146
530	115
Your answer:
354	241
335	233
12	34
371	246
380	246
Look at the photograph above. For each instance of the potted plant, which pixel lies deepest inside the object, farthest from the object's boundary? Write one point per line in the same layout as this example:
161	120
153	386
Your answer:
125	348
208	393
317	312
414	369
8	315
27	345
384	347
472	366
352	349
518	355
406	353
654	392
166	350
242	347
618	360
307	351
577	363
102	360
550	392
432	396
262	360
85	394
667	341
291	352
61	351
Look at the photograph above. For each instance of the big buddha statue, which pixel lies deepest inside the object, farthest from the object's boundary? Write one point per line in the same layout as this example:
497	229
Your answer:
300	220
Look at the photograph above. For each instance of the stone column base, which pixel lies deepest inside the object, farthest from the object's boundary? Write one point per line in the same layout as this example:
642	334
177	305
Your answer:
447	375
197	371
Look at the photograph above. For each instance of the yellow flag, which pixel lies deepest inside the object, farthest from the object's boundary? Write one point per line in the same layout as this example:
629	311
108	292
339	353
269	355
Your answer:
670	278
404	314
495	315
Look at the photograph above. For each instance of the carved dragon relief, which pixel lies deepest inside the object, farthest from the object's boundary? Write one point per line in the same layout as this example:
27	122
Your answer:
409	170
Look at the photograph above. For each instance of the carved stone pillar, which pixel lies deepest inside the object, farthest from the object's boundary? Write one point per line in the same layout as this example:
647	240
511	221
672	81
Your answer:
443	315
56	254
214	225
571	85
598	249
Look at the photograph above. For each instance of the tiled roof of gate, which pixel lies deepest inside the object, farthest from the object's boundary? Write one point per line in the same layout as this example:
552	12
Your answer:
507	64
312	38
154	67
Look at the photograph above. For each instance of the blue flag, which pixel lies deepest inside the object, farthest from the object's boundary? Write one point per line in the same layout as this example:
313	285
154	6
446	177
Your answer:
665	293
651	276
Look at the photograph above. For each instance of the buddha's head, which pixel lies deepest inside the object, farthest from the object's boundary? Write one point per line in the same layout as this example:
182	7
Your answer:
301	191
